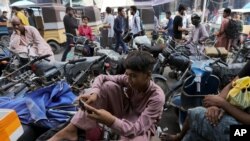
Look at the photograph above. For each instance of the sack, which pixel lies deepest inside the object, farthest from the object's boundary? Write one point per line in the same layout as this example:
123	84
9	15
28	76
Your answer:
239	95
232	30
215	51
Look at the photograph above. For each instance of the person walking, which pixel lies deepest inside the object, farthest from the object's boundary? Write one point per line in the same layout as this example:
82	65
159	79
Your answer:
71	26
109	24
169	27
178	24
136	22
222	38
119	30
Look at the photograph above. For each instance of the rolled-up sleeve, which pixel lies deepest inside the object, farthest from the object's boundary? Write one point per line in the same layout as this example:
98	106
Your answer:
119	79
146	120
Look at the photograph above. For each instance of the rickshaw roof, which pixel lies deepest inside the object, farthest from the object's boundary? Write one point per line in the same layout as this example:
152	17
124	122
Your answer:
241	10
236	10
41	5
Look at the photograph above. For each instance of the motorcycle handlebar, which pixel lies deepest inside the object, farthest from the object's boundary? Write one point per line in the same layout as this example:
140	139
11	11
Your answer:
41	58
4	59
69	34
219	61
101	58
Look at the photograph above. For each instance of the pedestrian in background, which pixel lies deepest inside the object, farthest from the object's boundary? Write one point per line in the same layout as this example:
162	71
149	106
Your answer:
178	24
119	25
222	39
169	26
86	31
71	26
136	22
109	24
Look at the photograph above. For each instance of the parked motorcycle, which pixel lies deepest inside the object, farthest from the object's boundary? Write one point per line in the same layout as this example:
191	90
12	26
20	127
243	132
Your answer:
82	46
78	73
241	54
114	61
17	83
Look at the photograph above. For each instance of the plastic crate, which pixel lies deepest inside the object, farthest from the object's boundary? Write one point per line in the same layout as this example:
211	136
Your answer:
10	125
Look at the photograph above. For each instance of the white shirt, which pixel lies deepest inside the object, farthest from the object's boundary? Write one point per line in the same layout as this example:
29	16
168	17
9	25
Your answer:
109	19
136	23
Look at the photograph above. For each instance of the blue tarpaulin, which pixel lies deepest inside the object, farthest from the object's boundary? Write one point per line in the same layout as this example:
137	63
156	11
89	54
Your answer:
35	107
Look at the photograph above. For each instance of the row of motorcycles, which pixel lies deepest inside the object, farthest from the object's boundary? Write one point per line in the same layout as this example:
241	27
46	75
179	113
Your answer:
51	87
195	75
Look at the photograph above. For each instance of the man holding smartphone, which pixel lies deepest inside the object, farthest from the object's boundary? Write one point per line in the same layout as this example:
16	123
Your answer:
130	104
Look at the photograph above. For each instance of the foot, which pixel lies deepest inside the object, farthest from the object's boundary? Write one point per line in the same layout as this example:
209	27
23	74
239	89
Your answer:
68	133
169	137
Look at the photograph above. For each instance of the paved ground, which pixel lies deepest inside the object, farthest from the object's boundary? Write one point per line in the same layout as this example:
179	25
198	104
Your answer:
169	118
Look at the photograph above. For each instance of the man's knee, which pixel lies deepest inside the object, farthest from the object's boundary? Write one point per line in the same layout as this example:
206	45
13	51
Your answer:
198	110
110	86
197	113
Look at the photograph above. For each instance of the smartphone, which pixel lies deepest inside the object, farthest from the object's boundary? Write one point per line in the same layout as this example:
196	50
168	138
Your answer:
82	106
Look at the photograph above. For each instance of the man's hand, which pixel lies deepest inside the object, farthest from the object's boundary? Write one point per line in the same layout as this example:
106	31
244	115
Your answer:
18	32
214	114
89	99
213	100
100	115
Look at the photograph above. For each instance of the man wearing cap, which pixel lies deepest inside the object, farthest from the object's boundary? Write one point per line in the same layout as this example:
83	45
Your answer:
70	25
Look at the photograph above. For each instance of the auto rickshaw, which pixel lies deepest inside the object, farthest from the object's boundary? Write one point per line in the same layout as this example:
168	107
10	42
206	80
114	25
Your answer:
48	19
4	33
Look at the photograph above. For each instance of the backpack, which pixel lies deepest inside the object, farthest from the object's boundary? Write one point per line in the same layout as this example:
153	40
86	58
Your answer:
142	33
232	30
